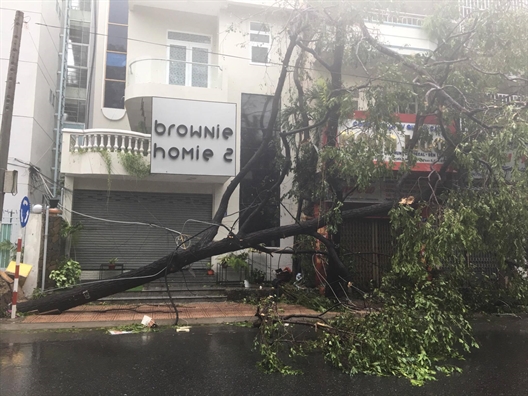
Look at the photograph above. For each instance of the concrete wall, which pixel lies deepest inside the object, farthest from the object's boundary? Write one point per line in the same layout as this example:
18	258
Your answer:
33	234
32	136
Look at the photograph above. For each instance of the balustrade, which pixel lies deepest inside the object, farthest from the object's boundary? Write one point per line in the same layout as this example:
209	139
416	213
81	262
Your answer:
108	140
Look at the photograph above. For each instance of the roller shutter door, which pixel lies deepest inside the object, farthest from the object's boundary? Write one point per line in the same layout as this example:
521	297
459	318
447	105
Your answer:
134	245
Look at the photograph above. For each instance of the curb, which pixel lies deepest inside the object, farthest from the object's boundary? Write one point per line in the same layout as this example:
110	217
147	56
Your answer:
16	325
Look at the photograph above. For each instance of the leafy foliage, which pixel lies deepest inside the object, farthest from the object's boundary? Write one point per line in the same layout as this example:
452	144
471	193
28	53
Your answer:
237	261
68	274
422	322
134	164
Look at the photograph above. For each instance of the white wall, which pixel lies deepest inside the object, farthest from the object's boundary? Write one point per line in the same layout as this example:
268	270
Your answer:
32	136
32	244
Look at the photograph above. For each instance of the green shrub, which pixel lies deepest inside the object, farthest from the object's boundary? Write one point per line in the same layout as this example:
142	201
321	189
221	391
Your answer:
68	274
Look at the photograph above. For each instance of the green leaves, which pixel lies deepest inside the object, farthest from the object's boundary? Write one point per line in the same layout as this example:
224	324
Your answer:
68	274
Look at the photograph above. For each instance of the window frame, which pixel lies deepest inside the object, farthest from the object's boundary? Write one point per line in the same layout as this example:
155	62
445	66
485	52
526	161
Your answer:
257	44
189	45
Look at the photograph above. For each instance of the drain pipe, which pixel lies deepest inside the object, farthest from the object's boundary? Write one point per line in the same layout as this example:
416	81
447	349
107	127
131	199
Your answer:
45	255
60	105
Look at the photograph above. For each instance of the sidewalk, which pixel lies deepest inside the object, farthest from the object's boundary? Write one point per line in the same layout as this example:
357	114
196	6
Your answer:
98	315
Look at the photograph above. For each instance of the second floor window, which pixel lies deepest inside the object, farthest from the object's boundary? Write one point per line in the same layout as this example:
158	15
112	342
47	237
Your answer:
189	59
260	41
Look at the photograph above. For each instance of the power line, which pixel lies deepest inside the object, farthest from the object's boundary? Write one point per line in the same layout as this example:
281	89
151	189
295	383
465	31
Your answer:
38	64
236	56
152	225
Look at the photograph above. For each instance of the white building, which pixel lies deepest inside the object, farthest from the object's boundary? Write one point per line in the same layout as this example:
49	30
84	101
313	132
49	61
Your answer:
180	85
32	144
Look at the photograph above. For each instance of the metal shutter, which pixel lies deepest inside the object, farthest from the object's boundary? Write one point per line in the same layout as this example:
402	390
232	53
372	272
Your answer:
134	245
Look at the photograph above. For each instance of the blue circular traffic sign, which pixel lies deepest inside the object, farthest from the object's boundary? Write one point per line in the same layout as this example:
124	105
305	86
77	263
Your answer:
25	208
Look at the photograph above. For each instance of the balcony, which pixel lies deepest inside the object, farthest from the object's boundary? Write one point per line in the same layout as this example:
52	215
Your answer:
166	78
213	6
402	32
82	150
91	153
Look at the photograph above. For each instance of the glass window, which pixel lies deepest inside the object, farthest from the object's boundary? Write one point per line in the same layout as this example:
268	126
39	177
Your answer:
79	32
118	12
116	58
192	38
259	55
185	61
259	27
75	110
260	40
177	68
199	73
117	38
82	5
115	94
79	55
115	66
255	112
77	77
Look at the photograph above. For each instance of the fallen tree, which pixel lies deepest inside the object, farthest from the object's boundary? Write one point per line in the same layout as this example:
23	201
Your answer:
176	261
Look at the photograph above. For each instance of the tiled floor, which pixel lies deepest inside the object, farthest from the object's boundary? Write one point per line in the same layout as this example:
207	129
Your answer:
116	313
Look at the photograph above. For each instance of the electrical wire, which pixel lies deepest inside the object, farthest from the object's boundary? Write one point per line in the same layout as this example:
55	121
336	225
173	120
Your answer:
238	57
152	225
167	271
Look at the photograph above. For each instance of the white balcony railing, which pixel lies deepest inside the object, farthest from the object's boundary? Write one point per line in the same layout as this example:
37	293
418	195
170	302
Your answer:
396	18
112	140
174	72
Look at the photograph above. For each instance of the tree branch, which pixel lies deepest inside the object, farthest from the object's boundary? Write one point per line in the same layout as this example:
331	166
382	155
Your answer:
268	135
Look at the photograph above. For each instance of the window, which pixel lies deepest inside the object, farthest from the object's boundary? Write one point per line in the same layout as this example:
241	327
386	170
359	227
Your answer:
116	55
81	5
256	111
117	38
260	41
74	110
77	77
78	52
118	12
115	66
114	94
189	59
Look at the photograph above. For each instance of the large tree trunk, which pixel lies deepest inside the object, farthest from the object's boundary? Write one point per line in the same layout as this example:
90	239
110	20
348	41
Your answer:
175	261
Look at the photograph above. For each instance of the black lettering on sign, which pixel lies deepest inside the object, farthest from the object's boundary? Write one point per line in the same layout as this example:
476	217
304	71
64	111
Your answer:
207	154
171	127
227	133
186	152
159	128
181	130
197	132
228	154
156	148
174	153
209	132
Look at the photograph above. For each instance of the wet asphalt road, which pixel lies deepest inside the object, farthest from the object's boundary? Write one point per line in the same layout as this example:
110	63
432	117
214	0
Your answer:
219	361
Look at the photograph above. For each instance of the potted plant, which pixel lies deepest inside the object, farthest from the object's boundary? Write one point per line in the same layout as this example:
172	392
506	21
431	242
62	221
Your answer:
68	273
256	276
237	261
112	263
210	270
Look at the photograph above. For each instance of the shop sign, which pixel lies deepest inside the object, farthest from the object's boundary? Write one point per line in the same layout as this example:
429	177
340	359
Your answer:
192	137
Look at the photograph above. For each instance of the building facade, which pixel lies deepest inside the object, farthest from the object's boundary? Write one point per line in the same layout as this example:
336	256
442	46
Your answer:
156	106
32	146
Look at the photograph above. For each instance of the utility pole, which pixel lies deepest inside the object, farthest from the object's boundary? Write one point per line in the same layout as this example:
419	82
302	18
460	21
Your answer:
9	101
